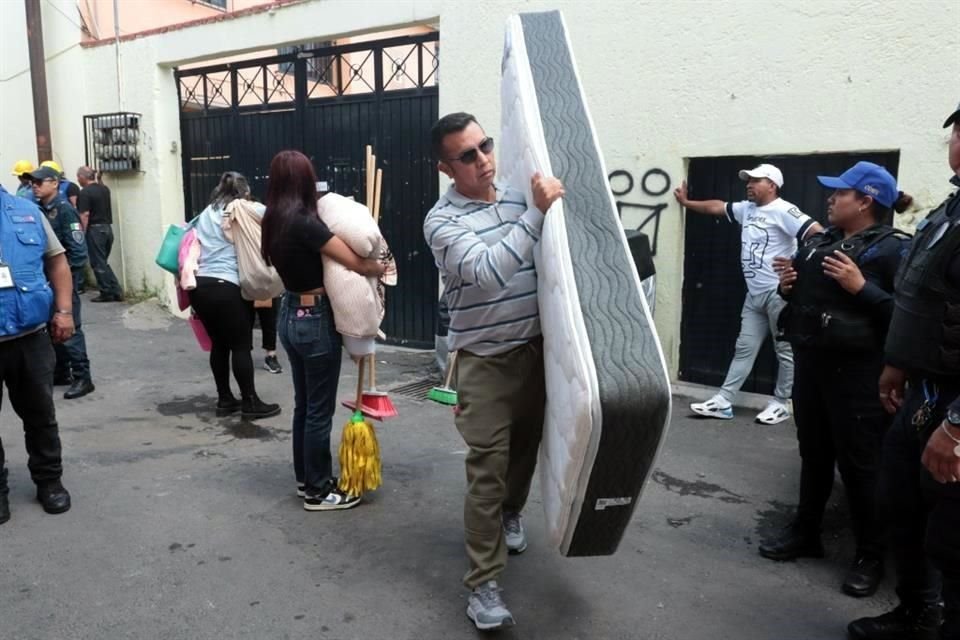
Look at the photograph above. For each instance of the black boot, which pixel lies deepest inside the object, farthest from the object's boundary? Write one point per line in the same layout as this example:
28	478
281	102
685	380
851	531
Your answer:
864	577
4	502
227	405
903	623
795	542
79	388
53	497
253	408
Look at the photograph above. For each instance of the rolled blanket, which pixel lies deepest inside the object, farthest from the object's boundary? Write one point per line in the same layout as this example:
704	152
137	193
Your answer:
357	306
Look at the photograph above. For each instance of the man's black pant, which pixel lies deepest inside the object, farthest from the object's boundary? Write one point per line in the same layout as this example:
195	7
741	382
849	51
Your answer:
26	368
99	243
841	423
71	356
923	515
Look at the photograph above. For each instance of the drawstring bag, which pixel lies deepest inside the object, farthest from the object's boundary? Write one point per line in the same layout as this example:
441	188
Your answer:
241	226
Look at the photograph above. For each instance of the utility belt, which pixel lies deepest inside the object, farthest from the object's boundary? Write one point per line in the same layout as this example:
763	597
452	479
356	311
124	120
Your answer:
836	330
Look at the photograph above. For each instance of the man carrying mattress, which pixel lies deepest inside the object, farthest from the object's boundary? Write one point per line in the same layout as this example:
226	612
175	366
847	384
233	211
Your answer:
482	236
771	227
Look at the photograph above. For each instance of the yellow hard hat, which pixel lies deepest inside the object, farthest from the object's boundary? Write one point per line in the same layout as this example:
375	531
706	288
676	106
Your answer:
53	165
22	167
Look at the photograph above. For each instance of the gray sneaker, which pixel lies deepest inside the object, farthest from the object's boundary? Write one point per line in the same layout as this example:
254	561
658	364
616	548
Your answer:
485	607
514	532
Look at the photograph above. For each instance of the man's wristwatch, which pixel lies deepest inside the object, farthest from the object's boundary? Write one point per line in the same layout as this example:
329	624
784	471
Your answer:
953	418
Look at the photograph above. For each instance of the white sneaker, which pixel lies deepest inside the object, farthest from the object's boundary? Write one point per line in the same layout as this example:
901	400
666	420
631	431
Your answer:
775	413
715	407
486	608
516	536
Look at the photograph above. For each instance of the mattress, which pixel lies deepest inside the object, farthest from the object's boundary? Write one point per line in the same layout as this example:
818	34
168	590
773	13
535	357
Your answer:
608	390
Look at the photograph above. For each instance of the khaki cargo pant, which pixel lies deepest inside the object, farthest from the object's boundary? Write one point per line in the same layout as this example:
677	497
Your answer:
501	400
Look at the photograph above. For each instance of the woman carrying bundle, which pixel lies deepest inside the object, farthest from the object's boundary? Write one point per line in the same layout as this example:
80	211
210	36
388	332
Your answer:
293	240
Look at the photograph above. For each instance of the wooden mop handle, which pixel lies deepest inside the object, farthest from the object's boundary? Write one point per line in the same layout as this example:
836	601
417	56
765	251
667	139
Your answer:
451	364
369	163
376	196
360	383
373	370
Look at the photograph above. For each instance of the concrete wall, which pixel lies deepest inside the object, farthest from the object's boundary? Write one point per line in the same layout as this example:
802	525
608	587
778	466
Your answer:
666	81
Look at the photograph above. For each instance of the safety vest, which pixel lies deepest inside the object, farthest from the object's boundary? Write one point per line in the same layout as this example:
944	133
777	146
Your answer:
821	314
62	188
28	304
924	332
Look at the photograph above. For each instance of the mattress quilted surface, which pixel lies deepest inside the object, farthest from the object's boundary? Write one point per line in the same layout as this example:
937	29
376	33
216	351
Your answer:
607	385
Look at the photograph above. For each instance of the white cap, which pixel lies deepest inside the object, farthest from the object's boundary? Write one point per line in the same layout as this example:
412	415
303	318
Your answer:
767	171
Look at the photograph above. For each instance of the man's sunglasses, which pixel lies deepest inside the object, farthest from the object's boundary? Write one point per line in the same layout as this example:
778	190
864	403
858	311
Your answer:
470	156
37	183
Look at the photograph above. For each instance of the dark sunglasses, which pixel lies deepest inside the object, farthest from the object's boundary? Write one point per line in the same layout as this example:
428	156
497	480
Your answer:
470	156
37	183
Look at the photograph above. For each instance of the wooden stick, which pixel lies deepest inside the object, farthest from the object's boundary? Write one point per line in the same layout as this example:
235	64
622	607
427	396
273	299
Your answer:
373	371
451	363
376	196
360	384
369	176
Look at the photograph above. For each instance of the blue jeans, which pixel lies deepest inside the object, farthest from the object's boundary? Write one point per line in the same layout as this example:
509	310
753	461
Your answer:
312	343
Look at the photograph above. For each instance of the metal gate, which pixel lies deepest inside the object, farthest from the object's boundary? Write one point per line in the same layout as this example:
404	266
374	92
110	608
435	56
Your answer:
713	286
330	102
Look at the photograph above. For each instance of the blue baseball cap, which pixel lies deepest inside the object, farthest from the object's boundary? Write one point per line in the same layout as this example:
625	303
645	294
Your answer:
867	178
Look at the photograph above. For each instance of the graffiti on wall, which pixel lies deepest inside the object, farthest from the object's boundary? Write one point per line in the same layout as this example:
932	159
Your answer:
641	202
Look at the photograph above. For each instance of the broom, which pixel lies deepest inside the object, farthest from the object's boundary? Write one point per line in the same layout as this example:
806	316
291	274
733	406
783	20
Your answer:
446	395
376	404
359	451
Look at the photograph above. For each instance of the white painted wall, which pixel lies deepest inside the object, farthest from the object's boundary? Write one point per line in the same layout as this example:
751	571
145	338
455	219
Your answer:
666	81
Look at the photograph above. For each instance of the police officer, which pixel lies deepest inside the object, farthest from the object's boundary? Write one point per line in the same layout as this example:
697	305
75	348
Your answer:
921	460
840	293
28	247
72	354
68	190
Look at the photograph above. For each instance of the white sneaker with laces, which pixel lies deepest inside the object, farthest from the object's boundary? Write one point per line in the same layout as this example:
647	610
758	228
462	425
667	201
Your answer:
514	532
715	407
486	608
775	413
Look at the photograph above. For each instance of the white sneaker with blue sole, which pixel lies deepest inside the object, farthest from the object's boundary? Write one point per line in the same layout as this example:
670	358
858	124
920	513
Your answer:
486	608
715	407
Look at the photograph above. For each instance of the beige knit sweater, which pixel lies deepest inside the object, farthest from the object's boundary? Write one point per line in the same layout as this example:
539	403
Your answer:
357	308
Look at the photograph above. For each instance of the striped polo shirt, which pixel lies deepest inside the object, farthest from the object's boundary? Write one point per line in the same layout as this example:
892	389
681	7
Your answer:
484	251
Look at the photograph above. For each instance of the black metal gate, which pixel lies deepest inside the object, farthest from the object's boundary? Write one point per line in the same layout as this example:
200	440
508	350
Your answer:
329	103
713	286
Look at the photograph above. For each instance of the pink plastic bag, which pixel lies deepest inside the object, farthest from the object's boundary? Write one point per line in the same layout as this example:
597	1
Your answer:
200	332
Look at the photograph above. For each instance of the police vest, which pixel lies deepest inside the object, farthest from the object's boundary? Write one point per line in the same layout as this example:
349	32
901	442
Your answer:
924	332
28	304
821	314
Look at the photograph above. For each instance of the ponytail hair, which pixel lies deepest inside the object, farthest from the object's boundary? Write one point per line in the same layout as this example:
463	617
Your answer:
904	201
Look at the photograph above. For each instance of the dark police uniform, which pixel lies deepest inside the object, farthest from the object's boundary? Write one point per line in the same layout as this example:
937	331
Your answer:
26	353
837	340
65	221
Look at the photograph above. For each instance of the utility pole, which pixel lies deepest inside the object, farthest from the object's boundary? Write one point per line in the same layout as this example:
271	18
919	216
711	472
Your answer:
38	80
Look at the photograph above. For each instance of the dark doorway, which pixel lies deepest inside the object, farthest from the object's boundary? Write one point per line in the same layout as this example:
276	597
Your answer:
713	287
330	102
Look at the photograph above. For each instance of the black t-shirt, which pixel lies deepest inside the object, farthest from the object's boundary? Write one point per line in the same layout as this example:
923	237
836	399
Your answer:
296	252
95	198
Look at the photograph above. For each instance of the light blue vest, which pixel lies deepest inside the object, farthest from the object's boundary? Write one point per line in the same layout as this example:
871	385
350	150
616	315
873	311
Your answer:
23	241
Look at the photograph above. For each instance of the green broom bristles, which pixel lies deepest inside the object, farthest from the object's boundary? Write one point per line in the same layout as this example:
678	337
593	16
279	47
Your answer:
443	395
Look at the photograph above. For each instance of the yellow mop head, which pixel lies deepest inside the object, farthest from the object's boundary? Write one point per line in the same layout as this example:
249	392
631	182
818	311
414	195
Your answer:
359	457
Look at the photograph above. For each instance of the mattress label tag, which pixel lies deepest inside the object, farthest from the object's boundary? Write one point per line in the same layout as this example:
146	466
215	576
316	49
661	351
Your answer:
603	503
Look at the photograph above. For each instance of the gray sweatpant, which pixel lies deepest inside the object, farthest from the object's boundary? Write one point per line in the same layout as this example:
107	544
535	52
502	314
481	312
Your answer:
758	319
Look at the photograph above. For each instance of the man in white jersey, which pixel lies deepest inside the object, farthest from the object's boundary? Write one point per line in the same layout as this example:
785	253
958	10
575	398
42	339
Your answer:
771	227
482	236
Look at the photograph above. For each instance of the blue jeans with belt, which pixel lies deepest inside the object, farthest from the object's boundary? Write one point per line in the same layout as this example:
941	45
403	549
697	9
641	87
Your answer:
310	338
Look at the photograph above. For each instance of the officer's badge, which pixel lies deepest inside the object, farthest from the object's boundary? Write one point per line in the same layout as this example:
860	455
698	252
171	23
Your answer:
77	236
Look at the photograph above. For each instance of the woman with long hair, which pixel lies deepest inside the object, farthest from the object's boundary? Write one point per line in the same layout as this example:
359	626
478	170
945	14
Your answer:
226	316
839	290
293	239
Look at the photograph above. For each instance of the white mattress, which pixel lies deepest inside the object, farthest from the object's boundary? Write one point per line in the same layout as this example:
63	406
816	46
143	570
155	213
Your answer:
607	384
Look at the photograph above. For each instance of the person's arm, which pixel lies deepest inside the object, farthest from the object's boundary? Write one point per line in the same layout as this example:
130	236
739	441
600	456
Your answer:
459	250
341	252
83	210
58	273
709	207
